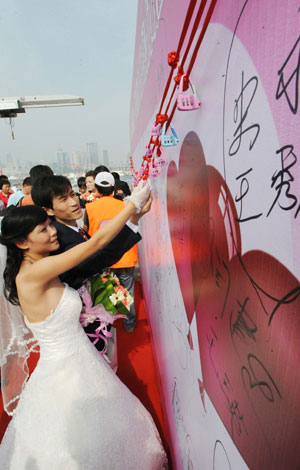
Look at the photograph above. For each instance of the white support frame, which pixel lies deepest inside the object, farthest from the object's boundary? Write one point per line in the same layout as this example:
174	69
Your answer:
11	106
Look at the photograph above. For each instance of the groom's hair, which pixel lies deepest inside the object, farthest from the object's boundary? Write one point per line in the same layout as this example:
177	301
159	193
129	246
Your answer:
49	187
39	171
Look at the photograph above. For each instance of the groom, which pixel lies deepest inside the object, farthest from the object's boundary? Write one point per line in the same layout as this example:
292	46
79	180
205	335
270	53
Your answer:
55	194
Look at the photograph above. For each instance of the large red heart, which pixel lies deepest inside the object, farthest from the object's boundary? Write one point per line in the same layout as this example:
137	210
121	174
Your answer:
248	322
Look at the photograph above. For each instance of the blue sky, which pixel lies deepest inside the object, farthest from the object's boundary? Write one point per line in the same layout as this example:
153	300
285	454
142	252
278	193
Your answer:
68	47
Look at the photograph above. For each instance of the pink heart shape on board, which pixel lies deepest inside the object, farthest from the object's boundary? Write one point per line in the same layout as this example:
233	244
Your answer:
248	317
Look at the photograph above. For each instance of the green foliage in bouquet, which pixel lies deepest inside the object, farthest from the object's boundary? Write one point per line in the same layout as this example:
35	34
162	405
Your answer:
107	290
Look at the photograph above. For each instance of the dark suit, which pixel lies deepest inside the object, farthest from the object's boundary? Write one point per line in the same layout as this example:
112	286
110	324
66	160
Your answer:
105	257
110	254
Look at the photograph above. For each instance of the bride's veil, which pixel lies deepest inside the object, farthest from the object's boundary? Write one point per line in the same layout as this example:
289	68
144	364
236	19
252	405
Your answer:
16	344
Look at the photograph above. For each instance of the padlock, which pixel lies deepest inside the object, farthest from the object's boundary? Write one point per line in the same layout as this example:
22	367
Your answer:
185	101
169	140
149	151
154	170
156	130
161	160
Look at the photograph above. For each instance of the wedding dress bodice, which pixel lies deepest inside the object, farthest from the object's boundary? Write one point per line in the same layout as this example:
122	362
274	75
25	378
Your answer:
74	413
58	334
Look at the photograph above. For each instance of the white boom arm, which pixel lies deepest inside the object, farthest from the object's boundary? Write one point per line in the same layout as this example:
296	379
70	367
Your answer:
11	106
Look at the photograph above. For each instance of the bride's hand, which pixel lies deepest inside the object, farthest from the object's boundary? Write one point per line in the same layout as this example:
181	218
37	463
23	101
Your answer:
147	206
145	209
140	195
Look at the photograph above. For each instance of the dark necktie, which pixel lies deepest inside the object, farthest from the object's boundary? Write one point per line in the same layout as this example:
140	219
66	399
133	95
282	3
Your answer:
83	233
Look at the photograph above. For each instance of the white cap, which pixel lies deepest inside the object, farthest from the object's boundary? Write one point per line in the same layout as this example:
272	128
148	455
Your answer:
104	179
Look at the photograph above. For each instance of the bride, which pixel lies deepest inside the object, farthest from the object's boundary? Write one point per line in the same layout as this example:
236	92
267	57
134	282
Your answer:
73	413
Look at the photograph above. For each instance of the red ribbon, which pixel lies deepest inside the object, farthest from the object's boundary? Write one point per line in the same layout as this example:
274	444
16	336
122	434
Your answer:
177	78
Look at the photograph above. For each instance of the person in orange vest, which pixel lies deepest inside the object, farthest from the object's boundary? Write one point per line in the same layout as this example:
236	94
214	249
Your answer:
100	212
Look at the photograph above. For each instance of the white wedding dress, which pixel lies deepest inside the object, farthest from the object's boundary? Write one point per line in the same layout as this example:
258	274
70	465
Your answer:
74	413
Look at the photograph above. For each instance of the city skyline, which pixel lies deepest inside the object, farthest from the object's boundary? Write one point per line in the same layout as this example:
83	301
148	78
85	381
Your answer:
68	48
77	162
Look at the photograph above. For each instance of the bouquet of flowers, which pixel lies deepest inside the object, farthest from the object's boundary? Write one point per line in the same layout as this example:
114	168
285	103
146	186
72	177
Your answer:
91	197
107	290
105	300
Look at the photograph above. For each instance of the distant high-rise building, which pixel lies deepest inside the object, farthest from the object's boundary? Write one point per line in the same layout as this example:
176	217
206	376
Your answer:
66	159
54	167
93	154
78	160
105	158
63	161
74	160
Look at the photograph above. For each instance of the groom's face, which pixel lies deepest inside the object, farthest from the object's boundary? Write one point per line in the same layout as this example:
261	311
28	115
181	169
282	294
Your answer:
66	208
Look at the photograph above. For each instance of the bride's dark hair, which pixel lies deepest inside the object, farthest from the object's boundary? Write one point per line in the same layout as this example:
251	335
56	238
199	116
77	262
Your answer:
16	225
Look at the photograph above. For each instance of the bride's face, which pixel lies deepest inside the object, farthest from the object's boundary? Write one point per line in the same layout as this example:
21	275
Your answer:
42	239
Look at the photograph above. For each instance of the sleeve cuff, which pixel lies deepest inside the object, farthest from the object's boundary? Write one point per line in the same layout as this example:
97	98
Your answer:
132	226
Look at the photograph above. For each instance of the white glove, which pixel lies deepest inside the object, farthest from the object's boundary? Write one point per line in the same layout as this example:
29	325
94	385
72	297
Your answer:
139	195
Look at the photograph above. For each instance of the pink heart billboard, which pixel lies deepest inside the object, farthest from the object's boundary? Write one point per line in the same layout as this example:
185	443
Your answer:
220	257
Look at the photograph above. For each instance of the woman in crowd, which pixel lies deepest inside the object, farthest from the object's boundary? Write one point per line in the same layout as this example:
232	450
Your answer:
5	192
92	192
74	413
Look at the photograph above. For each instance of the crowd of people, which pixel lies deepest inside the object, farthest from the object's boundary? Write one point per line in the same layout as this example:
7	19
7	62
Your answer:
87	190
73	412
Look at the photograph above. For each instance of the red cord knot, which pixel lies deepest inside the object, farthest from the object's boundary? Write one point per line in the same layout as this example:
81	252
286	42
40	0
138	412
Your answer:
161	118
177	78
156	142
173	59
158	151
146	173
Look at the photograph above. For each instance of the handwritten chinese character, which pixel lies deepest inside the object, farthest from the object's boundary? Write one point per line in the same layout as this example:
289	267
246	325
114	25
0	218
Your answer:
244	189
240	115
282	181
288	84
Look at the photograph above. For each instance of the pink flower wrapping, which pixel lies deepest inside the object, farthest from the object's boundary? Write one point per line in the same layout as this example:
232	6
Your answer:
91	313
